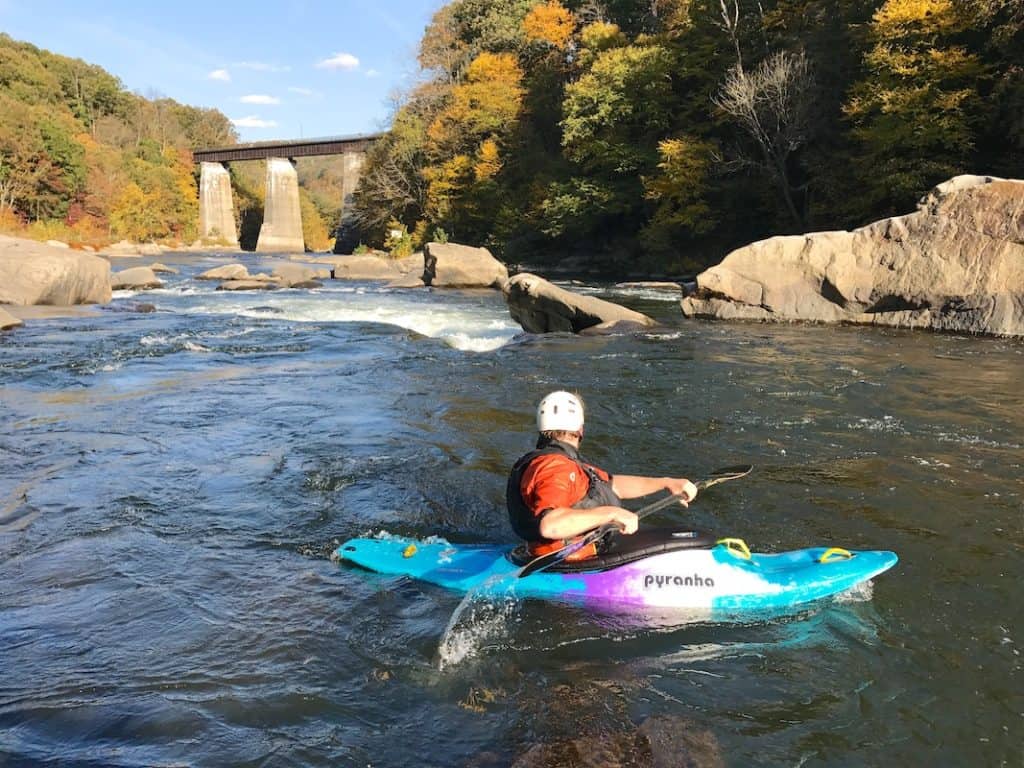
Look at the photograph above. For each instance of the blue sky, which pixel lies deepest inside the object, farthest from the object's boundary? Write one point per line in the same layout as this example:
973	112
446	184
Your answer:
285	69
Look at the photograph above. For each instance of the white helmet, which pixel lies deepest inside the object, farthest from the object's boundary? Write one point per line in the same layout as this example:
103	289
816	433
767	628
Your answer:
560	412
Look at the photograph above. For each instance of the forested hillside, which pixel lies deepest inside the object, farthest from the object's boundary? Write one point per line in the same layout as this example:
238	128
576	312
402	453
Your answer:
653	135
84	160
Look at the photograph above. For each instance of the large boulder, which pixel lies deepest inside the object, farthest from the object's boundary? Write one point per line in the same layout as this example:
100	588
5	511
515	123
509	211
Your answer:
541	307
35	273
135	279
449	265
956	264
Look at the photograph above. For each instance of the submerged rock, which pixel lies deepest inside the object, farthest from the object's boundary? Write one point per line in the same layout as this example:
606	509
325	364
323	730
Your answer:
248	285
540	307
652	285
449	265
956	264
35	273
660	742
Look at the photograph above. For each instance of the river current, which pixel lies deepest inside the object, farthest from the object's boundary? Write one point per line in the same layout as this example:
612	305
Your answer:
173	483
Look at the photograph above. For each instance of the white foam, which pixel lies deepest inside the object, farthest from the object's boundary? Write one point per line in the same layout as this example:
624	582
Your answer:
468	328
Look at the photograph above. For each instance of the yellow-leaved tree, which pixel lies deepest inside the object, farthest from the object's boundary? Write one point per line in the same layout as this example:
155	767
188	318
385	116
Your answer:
550	23
914	115
464	143
486	103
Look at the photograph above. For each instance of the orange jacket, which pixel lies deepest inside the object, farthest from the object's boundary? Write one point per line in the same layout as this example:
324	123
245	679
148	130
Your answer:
556	480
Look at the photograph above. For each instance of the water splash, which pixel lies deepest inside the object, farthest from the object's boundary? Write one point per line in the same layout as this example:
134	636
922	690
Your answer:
482	620
861	593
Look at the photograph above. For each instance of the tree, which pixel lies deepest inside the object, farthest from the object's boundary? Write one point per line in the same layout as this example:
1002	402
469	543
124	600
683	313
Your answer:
999	25
679	189
550	23
443	52
772	105
134	216
615	112
391	184
913	115
486	103
614	115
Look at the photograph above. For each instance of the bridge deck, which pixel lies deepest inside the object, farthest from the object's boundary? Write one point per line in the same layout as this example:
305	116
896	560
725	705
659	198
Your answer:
261	150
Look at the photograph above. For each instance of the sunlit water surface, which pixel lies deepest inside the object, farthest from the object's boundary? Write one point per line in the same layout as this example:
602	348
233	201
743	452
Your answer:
172	485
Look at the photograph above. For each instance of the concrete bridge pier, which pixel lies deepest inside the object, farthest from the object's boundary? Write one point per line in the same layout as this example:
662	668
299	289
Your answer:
216	207
346	235
281	231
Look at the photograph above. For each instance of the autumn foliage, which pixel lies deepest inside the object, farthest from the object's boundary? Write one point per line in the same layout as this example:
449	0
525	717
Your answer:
550	23
655	135
84	160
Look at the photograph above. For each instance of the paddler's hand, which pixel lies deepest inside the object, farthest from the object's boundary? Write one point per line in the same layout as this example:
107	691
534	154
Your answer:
627	521
680	486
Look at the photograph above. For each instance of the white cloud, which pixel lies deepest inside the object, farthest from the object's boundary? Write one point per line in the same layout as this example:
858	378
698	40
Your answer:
301	91
252	121
220	74
259	98
262	66
372	73
339	61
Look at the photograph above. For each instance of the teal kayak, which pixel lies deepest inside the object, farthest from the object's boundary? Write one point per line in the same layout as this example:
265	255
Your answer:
662	568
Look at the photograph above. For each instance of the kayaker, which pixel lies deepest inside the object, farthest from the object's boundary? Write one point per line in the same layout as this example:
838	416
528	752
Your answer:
553	495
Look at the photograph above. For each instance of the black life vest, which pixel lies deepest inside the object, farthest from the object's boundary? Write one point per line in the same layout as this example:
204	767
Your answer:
524	522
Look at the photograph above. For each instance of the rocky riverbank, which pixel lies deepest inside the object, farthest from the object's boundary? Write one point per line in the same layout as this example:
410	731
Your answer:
956	264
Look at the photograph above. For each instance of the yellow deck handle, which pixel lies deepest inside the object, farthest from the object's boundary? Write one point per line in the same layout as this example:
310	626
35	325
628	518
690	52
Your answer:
409	551
831	552
737	547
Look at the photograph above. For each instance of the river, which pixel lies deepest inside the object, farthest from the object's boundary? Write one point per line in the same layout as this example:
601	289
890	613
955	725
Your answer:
173	483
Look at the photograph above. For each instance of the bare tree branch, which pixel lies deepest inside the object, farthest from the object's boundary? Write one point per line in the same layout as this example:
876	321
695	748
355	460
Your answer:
772	105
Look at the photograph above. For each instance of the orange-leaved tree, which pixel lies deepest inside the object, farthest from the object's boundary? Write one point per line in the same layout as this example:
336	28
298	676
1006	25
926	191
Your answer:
550	23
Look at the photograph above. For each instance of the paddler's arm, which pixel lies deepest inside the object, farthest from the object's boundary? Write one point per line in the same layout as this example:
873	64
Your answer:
633	487
566	522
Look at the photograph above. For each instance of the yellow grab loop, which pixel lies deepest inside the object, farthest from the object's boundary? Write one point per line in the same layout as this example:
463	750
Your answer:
409	551
736	547
833	552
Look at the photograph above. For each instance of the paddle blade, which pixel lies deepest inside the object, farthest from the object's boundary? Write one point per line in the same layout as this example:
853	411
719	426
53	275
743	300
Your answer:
726	473
540	563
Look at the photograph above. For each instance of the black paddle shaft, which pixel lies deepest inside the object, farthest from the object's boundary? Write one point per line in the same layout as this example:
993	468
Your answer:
551	558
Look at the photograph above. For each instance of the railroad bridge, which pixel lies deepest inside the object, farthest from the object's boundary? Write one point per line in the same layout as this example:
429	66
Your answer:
281	231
